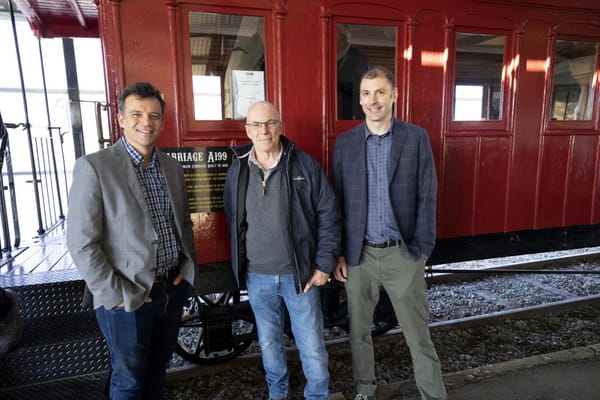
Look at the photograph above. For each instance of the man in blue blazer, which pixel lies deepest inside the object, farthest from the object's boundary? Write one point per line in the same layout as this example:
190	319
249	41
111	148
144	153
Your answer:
384	177
129	233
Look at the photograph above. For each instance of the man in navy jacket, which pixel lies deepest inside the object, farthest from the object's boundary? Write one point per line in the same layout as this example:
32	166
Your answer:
285	232
384	177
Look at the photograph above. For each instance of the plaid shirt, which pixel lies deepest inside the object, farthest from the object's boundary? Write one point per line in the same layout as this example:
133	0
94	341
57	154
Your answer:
381	223
153	183
412	188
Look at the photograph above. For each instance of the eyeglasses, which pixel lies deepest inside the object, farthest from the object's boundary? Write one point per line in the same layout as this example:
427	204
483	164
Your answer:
271	123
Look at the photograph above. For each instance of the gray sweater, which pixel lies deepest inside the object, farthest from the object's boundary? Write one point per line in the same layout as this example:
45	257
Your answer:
267	240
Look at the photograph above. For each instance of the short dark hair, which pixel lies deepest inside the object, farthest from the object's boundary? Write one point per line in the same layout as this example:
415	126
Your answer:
143	90
377	71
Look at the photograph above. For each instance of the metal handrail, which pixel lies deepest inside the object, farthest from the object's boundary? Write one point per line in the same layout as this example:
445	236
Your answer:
5	159
56	183
27	124
47	191
52	193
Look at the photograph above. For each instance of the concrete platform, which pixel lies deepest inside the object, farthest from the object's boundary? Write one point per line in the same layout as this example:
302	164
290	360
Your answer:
566	375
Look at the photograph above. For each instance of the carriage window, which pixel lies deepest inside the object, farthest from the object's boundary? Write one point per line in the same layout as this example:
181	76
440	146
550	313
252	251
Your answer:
359	46
228	64
478	78
572	93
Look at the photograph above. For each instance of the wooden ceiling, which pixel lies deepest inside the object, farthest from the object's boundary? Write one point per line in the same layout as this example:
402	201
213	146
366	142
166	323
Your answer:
58	18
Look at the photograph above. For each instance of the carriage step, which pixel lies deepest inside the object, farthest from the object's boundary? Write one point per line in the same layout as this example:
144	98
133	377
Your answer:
55	347
61	340
49	299
88	387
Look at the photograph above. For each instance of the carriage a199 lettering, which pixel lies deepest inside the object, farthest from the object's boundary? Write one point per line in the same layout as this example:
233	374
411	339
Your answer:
188	156
217	156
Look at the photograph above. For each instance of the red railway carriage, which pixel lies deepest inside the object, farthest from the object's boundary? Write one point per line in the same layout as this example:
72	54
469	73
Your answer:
508	91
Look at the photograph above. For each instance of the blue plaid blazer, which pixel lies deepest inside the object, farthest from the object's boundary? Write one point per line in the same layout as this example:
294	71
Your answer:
412	188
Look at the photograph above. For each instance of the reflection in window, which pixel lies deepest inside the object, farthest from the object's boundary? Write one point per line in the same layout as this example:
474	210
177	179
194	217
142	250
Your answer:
572	93
207	97
228	64
478	79
469	102
359	46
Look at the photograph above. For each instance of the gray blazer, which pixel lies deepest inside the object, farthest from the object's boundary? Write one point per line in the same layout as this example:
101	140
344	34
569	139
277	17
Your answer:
109	228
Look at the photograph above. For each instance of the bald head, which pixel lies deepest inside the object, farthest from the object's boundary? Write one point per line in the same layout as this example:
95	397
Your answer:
262	106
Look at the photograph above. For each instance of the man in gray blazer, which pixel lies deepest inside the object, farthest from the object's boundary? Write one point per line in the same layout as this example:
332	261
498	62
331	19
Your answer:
130	235
384	177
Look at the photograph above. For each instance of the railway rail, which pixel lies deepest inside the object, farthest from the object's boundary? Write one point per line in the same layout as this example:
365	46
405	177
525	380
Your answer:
460	298
51	359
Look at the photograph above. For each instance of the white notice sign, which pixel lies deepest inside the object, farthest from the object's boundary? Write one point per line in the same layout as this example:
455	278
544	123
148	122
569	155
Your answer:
248	87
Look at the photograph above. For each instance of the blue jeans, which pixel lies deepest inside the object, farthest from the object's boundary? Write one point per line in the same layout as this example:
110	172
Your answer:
268	294
141	342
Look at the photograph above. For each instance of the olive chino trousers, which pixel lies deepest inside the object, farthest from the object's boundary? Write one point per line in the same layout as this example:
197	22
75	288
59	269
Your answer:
403	278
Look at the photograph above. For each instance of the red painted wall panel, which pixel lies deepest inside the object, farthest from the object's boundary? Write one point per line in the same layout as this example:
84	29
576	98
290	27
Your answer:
455	213
302	77
553	177
527	128
596	183
426	86
580	181
491	186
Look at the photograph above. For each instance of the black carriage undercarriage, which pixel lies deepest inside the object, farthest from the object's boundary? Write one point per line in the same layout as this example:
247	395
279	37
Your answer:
514	243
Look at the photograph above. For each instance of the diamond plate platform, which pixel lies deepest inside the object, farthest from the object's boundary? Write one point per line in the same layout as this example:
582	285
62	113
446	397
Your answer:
85	387
62	354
